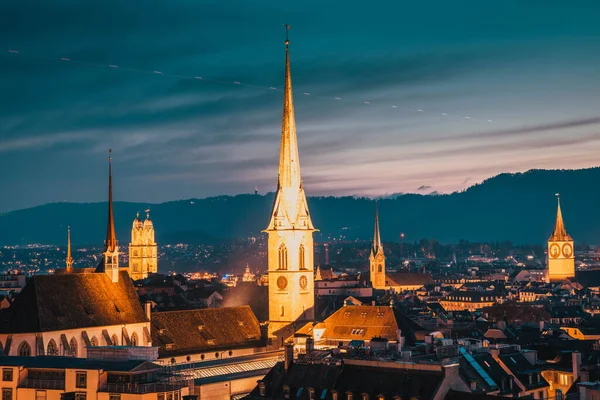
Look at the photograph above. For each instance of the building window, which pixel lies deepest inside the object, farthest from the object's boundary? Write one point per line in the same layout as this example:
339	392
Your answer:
286	392
170	396
301	256
134	339
94	341
161	396
52	349
114	396
177	395
334	395
7	374
81	380
115	340
24	350
262	390
365	396
379	268
348	395
283	257
40	395
6	394
73	347
311	394
80	396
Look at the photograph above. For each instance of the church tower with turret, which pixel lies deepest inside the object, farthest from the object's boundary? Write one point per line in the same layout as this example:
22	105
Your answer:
377	258
143	252
290	230
561	254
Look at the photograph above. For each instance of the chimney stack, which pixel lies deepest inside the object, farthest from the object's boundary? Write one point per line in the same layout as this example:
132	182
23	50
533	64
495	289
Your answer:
576	360
288	354
148	309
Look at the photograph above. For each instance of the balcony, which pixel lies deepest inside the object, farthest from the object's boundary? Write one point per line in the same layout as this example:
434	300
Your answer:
140	388
43	384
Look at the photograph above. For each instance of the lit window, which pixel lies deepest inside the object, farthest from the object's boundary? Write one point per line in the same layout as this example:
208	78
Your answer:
52	348
7	374
40	395
301	256
81	380
80	396
7	394
282	257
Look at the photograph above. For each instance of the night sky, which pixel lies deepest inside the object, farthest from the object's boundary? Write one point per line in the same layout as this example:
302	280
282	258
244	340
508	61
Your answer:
531	67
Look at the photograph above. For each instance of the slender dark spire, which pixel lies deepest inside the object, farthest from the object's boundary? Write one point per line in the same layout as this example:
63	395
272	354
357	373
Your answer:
69	260
111	238
376	234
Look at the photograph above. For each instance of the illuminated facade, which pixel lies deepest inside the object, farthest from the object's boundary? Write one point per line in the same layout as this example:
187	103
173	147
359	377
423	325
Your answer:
561	254
143	251
377	258
290	230
69	260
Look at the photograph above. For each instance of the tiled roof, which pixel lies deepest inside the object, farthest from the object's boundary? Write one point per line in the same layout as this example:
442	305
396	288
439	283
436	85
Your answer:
408	278
209	329
367	322
71	301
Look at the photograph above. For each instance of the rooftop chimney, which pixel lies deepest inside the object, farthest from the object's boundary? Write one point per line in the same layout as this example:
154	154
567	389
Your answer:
576	360
288	356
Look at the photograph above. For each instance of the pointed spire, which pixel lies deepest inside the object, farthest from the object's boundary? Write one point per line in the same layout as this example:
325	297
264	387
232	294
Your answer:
111	238
69	260
289	163
376	235
560	233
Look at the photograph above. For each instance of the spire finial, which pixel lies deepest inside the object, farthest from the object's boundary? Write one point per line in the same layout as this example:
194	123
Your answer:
69	260
147	213
287	38
560	233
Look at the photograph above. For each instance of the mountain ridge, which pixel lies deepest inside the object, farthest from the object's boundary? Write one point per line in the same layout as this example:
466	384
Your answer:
519	207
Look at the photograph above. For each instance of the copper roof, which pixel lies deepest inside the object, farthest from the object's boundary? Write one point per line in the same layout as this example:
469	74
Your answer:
209	329
71	301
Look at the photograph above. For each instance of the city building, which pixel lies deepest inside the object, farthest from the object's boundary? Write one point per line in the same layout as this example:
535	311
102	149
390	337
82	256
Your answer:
561	254
143	254
470	300
290	231
56	378
71	311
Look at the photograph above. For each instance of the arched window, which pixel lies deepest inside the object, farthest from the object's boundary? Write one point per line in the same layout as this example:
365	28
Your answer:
115	340
52	348
302	257
134	339
24	349
379	269
94	341
73	346
283	257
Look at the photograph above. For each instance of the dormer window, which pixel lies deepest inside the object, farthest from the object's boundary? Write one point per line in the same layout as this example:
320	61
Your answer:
365	396
262	390
286	392
348	395
334	395
311	394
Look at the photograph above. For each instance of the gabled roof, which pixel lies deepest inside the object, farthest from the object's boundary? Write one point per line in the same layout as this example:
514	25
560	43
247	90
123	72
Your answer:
71	301
368	322
209	329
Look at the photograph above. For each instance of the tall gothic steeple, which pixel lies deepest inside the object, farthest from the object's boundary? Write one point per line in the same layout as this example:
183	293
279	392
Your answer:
69	260
290	209
290	229
110	262
377	257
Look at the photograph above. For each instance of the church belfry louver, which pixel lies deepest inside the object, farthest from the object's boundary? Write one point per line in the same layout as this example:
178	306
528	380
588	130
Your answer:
290	230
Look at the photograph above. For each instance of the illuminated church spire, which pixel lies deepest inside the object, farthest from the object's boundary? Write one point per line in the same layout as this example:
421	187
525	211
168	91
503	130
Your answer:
560	233
69	260
110	262
290	209
561	255
377	257
290	229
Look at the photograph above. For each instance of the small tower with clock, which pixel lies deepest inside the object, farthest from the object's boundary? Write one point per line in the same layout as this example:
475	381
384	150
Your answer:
377	258
561	254
290	230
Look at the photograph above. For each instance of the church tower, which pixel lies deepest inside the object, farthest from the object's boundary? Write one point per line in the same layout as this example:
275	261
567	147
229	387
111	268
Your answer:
290	230
377	258
69	260
561	256
110	261
143	254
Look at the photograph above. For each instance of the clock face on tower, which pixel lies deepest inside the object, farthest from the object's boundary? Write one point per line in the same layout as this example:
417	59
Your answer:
303	282
554	250
567	250
281	283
